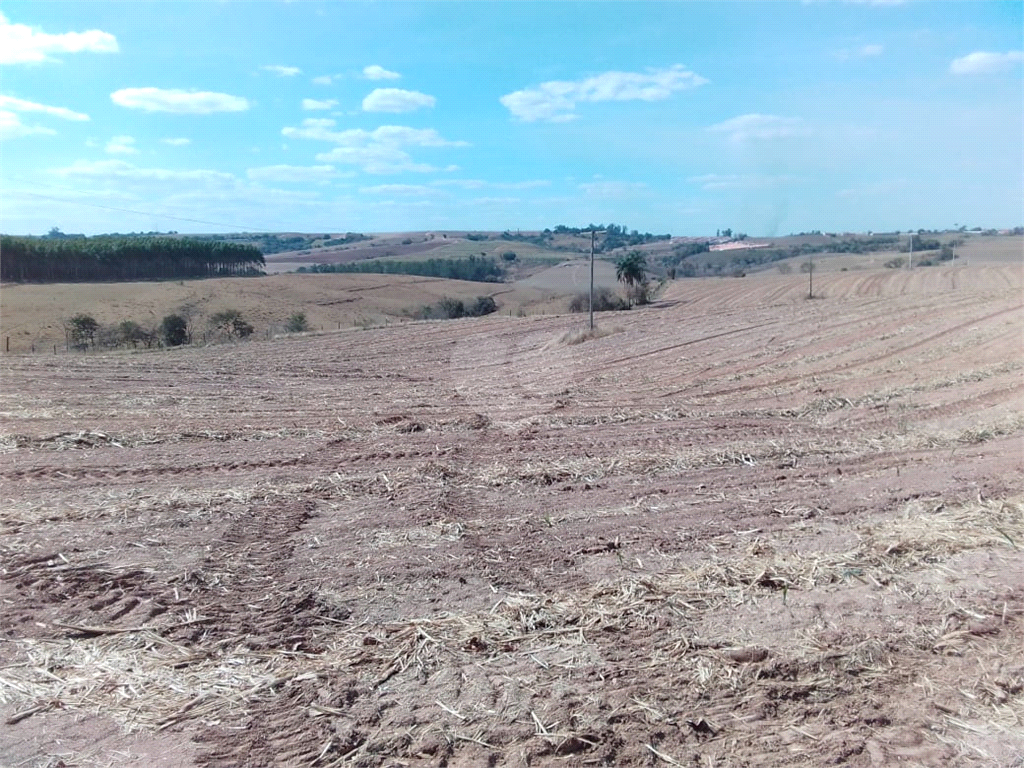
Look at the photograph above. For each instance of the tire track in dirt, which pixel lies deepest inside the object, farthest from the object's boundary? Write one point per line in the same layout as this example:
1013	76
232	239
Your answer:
96	473
89	594
246	595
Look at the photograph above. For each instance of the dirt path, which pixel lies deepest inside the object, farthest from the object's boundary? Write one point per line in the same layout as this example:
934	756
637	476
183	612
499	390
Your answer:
741	529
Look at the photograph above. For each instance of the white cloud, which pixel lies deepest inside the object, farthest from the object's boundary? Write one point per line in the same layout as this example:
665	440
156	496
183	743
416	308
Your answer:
322	80
291	173
398	189
375	158
421	137
857	2
479	184
494	200
756	126
322	129
396	100
20	105
120	170
379	151
178	101
556	100
20	43
614	189
283	71
11	127
315	104
714	181
121	145
984	62
375	72
177	142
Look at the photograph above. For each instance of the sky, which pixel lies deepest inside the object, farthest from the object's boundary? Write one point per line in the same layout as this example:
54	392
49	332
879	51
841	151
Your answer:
684	118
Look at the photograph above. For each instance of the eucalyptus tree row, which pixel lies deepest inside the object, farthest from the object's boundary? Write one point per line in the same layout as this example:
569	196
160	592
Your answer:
30	259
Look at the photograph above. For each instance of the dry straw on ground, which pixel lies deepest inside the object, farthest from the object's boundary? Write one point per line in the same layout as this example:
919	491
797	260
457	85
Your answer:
147	681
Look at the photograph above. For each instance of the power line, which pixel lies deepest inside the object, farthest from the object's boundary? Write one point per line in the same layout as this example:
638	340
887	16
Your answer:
147	213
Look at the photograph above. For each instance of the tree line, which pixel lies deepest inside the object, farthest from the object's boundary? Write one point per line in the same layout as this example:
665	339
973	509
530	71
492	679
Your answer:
47	260
82	331
479	269
270	243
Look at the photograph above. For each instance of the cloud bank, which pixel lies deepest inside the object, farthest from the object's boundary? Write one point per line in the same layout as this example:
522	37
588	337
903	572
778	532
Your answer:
396	100
312	104
754	126
375	72
383	150
178	101
281	70
556	100
985	62
22	44
121	145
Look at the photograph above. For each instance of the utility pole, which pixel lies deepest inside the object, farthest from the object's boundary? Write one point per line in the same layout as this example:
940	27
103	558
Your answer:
911	262
593	232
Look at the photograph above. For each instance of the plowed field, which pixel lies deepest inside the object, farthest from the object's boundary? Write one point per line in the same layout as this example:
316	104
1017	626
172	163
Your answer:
736	528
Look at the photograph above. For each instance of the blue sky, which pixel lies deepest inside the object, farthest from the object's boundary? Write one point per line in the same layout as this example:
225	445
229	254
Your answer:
766	118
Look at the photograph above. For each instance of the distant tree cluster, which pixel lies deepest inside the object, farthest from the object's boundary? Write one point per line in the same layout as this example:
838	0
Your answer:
921	244
270	243
542	240
605	300
479	269
230	324
615	236
684	257
83	331
49	260
452	309
684	251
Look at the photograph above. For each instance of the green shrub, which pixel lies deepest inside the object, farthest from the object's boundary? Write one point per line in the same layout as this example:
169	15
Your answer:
297	323
604	301
81	330
451	308
131	334
230	323
485	305
174	331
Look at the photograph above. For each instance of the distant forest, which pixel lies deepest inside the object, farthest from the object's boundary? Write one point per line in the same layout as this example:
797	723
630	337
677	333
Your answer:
612	236
270	243
74	259
476	268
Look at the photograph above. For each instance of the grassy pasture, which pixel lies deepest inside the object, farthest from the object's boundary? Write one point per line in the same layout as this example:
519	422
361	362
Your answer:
33	315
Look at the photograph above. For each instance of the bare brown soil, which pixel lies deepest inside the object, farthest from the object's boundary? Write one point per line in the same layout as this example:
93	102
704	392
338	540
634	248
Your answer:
735	528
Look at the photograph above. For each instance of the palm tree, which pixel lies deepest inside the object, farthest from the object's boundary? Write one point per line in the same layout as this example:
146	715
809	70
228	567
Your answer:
631	272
